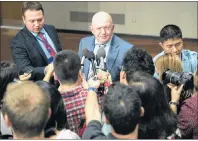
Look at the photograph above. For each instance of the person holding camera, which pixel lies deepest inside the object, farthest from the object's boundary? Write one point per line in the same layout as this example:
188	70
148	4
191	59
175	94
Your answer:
170	73
172	43
187	110
188	117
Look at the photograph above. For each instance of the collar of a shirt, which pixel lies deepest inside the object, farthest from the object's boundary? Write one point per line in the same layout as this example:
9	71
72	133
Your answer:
73	91
107	44
36	34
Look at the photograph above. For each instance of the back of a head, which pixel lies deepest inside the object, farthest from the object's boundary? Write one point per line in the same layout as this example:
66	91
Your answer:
158	116
67	66
122	107
32	6
151	92
58	114
27	108
137	59
8	72
170	32
168	61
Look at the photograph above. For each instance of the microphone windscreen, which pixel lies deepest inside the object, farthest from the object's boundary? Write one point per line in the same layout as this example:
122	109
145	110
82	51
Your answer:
85	51
90	55
100	53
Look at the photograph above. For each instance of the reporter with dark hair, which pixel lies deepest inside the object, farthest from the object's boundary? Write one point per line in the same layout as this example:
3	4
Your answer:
172	43
122	109
138	59
67	71
158	122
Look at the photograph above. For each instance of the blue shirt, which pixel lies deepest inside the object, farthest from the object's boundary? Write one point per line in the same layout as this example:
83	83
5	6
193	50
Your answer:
97	45
46	36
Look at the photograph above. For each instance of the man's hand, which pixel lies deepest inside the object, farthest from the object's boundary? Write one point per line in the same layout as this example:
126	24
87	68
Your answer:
49	70
94	83
103	76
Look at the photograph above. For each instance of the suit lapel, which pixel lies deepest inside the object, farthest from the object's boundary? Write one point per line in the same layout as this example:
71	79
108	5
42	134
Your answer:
34	43
112	54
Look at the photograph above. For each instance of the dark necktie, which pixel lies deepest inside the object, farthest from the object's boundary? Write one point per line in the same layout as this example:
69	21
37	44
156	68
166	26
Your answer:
47	45
102	45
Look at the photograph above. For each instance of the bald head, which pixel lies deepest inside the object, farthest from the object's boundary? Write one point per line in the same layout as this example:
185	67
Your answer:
101	17
102	27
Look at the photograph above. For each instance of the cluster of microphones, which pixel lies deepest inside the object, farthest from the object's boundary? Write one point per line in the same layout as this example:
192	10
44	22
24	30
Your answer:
99	58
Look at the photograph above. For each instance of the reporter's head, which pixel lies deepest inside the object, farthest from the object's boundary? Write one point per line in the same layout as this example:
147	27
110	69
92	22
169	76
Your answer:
26	109
122	108
67	67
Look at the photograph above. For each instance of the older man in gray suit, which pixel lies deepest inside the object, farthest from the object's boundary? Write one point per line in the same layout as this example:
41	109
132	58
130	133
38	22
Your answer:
102	28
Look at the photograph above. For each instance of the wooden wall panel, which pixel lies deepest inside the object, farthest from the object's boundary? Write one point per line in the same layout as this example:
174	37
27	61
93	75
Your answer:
71	41
11	10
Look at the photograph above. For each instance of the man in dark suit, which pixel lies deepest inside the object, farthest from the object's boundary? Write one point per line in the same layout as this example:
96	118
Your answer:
102	28
35	46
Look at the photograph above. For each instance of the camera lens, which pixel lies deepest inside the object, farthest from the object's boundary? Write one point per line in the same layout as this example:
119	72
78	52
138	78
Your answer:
178	78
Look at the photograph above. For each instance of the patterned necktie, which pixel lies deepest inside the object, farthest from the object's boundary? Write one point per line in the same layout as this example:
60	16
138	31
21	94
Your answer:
47	45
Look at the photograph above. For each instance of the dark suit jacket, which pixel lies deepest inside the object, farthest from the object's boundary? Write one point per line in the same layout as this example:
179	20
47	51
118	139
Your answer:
28	54
115	55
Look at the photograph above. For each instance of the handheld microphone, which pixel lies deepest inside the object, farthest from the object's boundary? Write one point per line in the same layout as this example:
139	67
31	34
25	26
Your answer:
83	58
101	54
90	55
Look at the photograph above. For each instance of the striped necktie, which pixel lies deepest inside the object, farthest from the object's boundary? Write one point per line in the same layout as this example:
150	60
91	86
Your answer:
47	45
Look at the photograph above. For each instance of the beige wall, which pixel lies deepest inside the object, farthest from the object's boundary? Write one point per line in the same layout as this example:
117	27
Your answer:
141	18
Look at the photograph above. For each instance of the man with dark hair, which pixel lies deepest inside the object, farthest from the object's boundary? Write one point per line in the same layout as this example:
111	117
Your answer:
172	43
35	46
122	109
136	59
67	70
26	109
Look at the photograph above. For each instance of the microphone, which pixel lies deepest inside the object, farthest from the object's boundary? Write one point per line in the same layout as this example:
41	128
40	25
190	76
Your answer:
101	54
83	58
91	57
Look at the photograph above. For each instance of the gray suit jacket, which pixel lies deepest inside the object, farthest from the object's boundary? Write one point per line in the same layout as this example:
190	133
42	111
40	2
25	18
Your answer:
115	55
